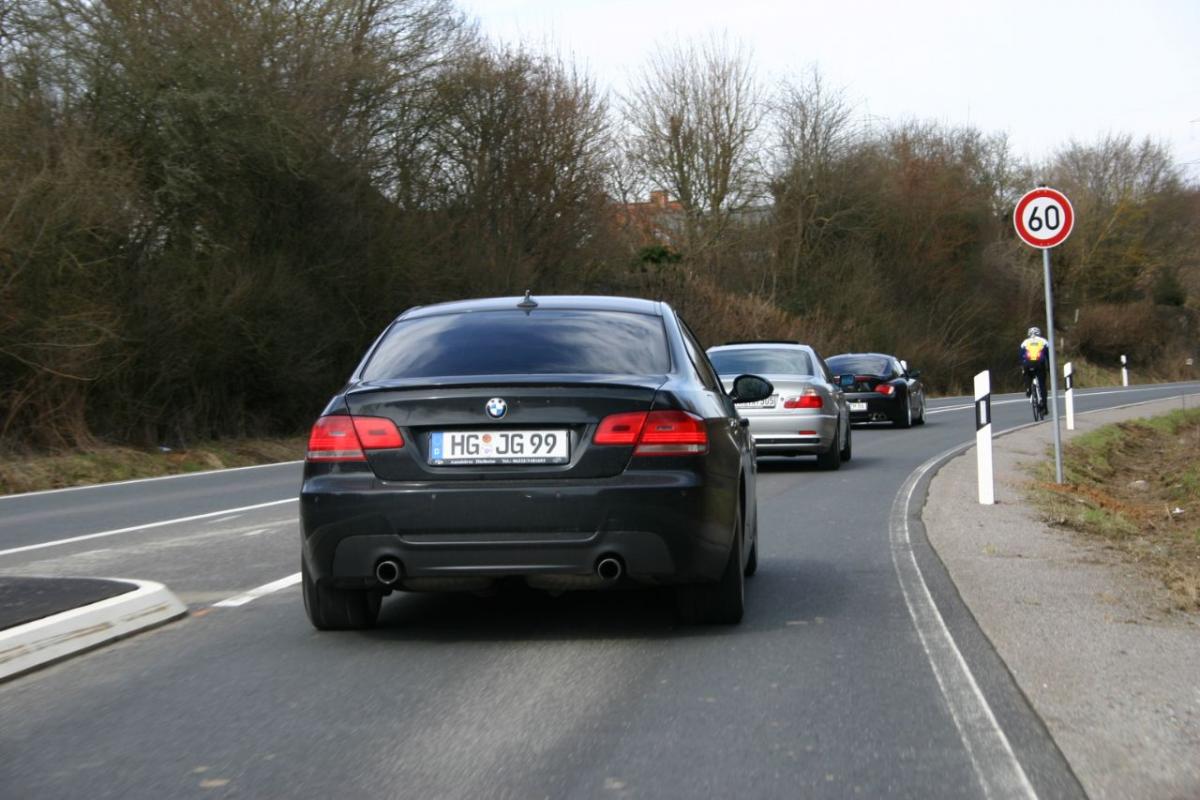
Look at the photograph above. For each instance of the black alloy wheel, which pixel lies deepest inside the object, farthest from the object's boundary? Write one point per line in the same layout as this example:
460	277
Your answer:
846	451
831	459
720	603
752	559
905	420
332	609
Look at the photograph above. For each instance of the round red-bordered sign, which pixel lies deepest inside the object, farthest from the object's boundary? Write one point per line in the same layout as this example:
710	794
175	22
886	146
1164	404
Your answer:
1044	218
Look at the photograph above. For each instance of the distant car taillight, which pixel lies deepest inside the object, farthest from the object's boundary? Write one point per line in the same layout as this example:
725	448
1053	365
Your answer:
810	399
343	438
886	389
656	433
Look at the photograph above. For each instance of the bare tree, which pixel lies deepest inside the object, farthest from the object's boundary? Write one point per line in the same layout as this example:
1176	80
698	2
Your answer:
693	118
816	134
1132	218
519	169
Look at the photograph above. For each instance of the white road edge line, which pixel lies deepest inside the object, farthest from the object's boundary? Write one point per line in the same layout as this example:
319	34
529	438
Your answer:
1080	393
996	765
999	772
146	526
258	591
146	480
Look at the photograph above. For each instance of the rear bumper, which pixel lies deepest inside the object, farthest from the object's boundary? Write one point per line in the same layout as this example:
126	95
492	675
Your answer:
790	433
879	408
665	526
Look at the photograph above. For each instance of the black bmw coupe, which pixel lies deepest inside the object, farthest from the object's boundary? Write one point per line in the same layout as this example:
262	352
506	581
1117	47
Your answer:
567	442
880	388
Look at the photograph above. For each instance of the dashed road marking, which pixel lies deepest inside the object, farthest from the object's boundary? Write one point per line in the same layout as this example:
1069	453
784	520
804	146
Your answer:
259	591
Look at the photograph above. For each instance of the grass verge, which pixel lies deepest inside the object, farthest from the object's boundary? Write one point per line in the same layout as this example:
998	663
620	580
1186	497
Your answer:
31	473
1135	486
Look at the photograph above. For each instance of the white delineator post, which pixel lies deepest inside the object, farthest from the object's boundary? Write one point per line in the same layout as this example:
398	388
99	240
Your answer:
983	437
1124	372
1069	380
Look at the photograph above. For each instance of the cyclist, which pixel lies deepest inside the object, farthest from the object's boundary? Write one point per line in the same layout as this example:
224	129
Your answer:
1035	356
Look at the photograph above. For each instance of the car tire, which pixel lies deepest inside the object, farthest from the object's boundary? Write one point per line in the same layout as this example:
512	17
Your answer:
720	603
920	419
331	609
831	459
846	451
752	560
905	420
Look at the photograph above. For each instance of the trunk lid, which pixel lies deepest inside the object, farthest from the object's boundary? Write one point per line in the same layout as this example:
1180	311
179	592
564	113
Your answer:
859	383
544	431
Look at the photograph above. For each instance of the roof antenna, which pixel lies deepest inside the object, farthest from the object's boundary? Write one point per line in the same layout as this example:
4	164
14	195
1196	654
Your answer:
528	303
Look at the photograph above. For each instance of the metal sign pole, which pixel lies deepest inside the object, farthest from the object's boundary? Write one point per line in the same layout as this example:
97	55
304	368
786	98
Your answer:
1058	466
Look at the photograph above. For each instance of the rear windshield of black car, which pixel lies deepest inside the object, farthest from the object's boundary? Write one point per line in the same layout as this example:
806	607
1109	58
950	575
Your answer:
573	342
762	362
860	365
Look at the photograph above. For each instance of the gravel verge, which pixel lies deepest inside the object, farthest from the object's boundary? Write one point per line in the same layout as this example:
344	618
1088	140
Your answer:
1115	677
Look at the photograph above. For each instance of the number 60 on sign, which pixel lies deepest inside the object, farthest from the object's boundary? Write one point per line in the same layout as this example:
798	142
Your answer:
1043	218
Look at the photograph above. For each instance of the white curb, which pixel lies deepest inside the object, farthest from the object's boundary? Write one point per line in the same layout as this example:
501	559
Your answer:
34	644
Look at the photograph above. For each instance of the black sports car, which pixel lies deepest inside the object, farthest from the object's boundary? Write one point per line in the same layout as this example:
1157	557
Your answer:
567	442
880	388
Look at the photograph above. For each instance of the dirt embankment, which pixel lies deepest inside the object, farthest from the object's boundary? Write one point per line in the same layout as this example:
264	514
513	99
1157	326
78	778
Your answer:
30	473
1135	486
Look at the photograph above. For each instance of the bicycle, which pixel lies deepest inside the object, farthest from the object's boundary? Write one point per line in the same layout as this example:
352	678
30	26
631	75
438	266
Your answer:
1037	398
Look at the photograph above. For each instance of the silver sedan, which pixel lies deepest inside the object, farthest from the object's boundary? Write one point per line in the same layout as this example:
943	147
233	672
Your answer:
807	414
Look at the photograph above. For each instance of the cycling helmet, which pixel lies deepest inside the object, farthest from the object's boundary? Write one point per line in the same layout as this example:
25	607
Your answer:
1035	331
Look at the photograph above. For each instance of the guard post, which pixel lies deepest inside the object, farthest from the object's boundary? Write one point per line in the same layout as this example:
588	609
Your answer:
1069	382
983	438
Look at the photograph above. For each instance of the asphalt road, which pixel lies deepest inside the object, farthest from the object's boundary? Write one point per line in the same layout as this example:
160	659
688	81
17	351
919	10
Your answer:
857	671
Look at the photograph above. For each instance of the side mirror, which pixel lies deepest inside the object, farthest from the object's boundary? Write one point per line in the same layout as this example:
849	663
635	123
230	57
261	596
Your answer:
845	381
750	389
914	373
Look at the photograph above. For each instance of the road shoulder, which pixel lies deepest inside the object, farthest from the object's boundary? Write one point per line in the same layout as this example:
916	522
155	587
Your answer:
1113	676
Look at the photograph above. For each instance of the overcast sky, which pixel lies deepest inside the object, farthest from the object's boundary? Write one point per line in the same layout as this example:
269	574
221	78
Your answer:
1044	72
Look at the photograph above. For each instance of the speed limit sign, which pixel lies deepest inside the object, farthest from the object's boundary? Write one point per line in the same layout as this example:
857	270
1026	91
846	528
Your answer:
1044	218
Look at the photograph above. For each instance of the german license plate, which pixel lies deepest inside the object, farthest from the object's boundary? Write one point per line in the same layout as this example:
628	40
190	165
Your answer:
499	447
858	406
767	403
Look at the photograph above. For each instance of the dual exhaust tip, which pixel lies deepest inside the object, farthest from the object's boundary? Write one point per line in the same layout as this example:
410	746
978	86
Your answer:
389	570
609	568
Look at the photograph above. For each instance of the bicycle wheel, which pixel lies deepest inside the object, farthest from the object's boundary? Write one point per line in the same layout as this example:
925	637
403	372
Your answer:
1035	399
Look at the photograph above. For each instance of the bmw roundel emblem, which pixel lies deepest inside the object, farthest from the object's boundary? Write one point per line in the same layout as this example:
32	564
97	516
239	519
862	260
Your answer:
496	408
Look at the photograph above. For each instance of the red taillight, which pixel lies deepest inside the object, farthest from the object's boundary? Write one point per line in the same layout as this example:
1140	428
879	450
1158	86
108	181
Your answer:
810	399
620	428
343	438
377	433
656	433
886	389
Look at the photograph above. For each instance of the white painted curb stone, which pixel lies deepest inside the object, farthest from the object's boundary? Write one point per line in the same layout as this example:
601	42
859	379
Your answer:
26	647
